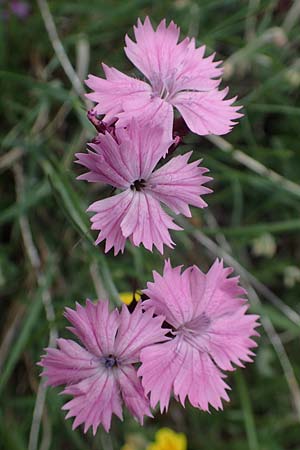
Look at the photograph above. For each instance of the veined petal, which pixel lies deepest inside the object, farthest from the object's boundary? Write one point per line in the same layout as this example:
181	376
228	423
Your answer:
230	338
110	93
145	222
207	112
178	184
136	331
95	400
198	378
110	213
86	319
177	367
170	295
68	364
153	51
141	147
152	110
160	365
214	293
107	163
194	71
133	393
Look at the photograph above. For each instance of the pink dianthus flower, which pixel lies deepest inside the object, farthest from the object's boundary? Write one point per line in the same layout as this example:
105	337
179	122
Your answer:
101	374
127	163
211	333
179	77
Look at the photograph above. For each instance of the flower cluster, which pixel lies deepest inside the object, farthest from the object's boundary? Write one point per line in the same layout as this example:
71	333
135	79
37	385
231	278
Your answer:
191	328
137	131
188	327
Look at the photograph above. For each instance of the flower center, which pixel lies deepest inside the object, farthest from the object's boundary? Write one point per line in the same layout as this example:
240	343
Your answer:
197	326
109	361
138	185
196	332
163	86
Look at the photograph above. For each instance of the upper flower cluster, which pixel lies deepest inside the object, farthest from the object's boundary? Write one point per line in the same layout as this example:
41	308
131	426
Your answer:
137	131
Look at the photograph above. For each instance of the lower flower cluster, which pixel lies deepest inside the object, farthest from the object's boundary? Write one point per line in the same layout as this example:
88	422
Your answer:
177	342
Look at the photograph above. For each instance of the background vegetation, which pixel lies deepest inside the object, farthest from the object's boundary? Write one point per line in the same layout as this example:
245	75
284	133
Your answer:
47	260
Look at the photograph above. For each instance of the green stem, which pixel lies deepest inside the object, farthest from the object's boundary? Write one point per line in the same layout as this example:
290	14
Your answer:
247	411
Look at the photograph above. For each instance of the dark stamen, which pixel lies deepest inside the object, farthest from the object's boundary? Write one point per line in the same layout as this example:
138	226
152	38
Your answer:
109	361
138	185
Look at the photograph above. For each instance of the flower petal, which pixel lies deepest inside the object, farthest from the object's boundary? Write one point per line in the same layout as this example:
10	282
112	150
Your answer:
145	222
85	320
68	364
160	365
133	393
110	213
141	147
153	51
207	112
230	338
95	400
178	184
151	110
178	367
110	93
194	71
214	293
170	295
106	163
136	331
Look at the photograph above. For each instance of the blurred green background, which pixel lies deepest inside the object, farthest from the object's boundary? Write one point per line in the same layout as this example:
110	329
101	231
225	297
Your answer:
47	259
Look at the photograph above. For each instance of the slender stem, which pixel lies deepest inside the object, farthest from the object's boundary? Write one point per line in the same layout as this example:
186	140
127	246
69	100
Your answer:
247	411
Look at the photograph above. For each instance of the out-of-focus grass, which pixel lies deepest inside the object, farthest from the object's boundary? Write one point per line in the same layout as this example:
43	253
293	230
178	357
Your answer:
46	246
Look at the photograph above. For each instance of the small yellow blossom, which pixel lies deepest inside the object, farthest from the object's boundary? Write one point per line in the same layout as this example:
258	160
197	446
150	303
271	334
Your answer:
127	297
166	439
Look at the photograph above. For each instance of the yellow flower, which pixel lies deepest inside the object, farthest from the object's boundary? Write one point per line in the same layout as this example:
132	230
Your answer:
166	439
127	297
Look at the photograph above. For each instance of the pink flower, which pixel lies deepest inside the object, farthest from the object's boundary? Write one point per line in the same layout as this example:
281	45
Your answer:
128	163
100	375
179	76
211	330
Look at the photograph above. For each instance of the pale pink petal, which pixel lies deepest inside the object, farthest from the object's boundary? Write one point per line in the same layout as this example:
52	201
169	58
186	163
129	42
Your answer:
106	163
193	70
141	147
110	93
151	111
198	378
207	112
153	51
132	156
145	222
229	338
178	184
67	364
214	293
133	393
95	400
160	365
97	339
171	66
110	213
170	295
177	367
136	331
